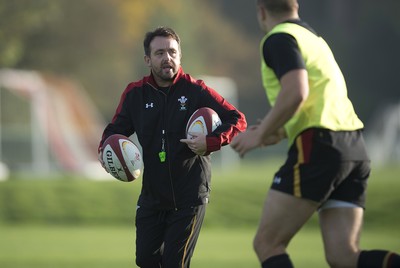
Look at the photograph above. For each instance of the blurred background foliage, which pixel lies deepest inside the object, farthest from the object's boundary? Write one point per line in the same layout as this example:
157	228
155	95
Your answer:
99	43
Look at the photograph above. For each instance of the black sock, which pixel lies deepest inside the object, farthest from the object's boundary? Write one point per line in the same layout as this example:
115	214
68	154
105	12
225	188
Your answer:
378	259
278	261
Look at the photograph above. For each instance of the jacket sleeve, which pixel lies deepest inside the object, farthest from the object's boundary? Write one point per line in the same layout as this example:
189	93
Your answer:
121	122
233	121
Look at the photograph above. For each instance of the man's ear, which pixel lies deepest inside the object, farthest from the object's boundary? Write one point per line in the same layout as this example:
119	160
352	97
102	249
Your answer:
262	12
147	60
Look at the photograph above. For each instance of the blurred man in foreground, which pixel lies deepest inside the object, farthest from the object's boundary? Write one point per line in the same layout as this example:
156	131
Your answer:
327	166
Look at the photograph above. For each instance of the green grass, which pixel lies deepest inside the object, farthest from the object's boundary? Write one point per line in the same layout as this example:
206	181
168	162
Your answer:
71	222
107	246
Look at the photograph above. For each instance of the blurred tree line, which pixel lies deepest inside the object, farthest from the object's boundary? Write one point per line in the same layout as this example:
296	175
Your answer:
99	43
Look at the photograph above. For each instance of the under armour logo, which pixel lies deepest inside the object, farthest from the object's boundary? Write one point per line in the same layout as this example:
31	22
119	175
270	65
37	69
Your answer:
277	180
149	105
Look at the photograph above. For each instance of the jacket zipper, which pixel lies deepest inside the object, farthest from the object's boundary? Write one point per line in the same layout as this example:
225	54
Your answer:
165	143
167	148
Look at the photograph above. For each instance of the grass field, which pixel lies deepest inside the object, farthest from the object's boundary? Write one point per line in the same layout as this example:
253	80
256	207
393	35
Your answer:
34	232
105	247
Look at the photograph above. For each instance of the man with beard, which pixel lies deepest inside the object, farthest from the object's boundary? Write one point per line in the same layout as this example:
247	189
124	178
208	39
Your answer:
177	170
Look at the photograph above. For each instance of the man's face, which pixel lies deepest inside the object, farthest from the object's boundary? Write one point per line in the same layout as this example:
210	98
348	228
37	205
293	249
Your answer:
164	59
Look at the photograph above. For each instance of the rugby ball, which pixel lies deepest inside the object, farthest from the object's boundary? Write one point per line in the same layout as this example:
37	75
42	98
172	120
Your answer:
204	120
122	158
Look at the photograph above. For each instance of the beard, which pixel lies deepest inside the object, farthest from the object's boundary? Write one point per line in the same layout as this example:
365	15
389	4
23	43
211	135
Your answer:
166	74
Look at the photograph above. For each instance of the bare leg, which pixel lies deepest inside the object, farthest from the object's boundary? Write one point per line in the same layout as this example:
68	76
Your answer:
341	228
282	217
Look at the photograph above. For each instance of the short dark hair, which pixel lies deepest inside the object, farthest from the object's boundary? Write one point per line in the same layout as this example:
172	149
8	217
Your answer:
159	31
278	6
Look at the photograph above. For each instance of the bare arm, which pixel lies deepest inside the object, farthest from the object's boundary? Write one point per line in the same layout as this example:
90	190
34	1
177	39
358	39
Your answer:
294	91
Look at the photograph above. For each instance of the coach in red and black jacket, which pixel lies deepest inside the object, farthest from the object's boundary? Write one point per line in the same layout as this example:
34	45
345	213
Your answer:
177	171
159	117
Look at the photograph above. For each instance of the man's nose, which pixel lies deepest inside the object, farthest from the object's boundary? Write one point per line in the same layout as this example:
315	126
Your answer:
167	57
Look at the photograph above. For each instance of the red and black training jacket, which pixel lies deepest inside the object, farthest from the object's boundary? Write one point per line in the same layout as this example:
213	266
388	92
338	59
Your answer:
159	117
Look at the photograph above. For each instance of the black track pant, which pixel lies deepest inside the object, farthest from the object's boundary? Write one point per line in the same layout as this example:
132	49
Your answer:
167	238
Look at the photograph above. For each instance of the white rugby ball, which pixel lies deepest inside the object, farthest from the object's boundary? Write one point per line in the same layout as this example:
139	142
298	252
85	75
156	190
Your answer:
122	158
204	121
